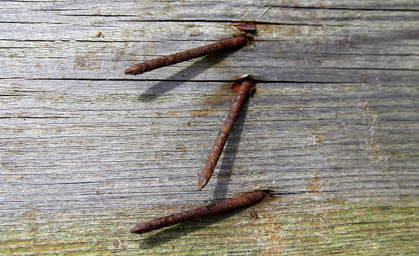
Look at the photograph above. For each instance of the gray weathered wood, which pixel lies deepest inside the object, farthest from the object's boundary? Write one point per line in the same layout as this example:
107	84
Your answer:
86	152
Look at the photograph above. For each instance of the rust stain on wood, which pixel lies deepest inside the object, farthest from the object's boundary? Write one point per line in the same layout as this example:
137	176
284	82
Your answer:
200	113
313	183
173	113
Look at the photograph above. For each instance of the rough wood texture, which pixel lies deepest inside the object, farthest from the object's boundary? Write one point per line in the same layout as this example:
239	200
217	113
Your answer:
86	152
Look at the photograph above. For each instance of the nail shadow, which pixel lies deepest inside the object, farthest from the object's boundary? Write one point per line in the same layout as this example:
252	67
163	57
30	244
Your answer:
183	229
181	77
230	152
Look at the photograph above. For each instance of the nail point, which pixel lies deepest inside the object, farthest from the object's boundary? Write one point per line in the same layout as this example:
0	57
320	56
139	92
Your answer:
202	181
130	71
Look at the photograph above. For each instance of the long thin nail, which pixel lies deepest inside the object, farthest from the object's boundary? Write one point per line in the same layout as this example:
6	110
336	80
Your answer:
246	87
234	42
208	210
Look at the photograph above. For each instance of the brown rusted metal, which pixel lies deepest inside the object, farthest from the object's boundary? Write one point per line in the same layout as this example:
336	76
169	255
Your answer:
247	27
231	43
246	87
208	210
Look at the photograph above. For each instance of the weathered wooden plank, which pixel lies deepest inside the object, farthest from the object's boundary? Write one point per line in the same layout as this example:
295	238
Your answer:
65	142
293	11
86	152
318	54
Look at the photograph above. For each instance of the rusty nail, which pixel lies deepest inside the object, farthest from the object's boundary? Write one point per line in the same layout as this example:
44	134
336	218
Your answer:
230	43
246	87
205	211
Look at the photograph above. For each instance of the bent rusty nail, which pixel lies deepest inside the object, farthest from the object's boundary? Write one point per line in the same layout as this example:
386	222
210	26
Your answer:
234	42
245	88
249	198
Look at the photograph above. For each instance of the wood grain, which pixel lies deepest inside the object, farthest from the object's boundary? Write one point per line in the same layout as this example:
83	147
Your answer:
86	152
